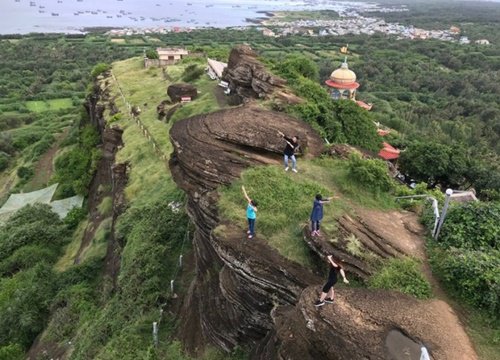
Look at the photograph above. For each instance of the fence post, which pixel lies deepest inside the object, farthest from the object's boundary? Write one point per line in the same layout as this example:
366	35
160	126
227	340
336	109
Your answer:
449	192
155	333
180	260
172	286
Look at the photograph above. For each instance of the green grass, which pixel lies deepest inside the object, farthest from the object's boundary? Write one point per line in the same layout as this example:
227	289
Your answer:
68	259
285	202
403	275
150	177
106	206
45	105
484	334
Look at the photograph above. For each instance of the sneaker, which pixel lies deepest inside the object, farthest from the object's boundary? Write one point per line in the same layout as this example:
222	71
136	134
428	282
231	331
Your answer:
294	170
250	236
329	300
314	233
286	169
319	303
248	231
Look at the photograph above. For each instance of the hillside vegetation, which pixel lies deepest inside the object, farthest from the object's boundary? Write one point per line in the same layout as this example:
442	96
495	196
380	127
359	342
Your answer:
439	98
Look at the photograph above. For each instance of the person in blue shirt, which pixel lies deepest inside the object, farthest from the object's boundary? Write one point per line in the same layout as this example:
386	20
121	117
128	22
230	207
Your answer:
317	213
251	214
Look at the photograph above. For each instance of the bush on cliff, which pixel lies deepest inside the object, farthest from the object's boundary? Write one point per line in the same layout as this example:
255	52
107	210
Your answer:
402	275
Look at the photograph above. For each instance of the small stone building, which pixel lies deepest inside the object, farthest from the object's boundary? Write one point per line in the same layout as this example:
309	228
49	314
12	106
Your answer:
166	56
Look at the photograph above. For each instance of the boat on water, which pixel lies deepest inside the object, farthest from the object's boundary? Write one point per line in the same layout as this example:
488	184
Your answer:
54	14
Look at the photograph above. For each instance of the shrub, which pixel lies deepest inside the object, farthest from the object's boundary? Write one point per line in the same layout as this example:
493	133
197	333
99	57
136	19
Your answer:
24	304
4	161
11	352
99	69
473	275
371	173
74	217
403	275
298	66
33	224
74	169
25	172
472	226
151	54
192	73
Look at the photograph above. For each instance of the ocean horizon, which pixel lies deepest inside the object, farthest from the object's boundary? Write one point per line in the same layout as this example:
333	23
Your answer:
72	16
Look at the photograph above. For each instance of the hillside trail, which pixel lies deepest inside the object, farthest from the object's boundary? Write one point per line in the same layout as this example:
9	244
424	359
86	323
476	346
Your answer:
404	231
44	168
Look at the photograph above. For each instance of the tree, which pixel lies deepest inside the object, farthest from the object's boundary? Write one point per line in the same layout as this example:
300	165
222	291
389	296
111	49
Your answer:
426	161
296	66
356	124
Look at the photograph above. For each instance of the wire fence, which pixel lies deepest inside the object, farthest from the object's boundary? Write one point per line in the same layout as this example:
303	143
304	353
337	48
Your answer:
158	151
145	131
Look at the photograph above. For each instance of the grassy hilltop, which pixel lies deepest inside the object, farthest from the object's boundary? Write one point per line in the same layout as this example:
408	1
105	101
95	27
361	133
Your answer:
437	96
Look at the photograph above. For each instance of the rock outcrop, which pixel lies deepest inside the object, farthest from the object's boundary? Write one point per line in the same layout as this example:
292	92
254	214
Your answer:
365	324
245	293
179	90
368	237
238	282
249	79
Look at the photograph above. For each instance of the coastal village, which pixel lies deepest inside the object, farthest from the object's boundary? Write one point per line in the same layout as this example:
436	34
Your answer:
337	27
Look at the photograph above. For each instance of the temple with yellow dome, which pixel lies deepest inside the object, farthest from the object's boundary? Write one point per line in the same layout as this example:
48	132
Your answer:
343	85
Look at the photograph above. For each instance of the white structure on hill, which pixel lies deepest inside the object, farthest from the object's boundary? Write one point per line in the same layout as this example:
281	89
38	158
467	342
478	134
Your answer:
215	68
43	196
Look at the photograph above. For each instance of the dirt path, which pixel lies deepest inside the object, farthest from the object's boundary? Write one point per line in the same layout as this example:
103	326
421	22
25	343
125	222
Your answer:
44	168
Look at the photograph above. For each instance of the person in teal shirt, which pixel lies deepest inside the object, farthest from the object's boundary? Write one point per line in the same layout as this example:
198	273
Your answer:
251	214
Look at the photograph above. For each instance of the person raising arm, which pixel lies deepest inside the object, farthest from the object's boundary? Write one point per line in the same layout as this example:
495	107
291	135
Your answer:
251	213
328	294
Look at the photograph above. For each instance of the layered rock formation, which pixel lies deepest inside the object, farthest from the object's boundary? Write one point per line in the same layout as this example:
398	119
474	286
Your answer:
245	293
248	78
365	324
238	282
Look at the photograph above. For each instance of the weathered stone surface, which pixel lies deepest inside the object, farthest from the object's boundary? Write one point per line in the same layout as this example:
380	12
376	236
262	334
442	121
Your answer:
179	90
248	77
356	326
381	235
162	109
238	281
245	293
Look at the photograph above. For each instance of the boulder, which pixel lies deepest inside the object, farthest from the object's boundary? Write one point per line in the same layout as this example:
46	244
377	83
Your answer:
248	77
179	90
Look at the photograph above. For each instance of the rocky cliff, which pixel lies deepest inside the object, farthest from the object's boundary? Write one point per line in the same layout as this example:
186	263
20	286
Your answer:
238	282
245	293
248	78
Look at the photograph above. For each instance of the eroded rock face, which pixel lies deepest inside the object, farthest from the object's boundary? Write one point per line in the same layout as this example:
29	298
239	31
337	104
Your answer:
248	77
238	281
177	91
357	324
245	293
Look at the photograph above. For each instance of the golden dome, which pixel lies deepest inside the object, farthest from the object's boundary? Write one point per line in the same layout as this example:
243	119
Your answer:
343	75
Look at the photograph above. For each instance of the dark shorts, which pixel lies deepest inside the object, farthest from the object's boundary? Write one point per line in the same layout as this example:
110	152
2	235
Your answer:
329	284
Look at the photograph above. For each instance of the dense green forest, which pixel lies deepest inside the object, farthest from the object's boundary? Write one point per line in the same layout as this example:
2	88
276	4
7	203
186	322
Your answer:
440	99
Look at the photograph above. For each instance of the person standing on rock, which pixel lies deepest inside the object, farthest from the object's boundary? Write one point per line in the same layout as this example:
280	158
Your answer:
317	213
251	214
289	153
328	294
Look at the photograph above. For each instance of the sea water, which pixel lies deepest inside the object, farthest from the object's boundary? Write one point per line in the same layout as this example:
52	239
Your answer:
72	16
